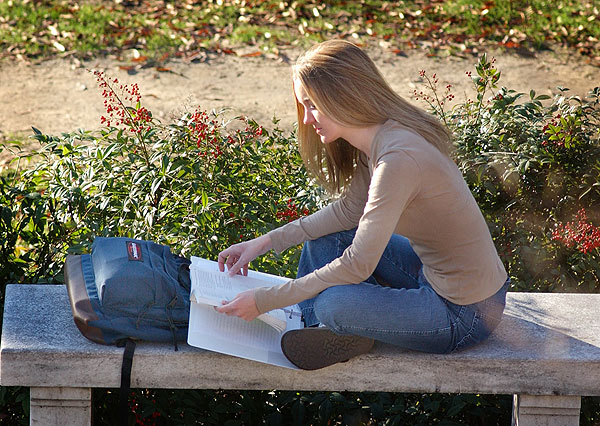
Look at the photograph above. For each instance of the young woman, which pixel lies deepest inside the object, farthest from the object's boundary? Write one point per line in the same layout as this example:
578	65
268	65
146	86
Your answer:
404	255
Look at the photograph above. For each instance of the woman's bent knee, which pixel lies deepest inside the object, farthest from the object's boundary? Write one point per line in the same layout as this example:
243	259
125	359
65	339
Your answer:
330	308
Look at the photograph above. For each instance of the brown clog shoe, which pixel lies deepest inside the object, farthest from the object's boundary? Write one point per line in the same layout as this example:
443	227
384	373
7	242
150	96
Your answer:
317	347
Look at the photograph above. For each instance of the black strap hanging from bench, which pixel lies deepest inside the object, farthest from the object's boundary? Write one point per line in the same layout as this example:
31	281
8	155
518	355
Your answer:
125	380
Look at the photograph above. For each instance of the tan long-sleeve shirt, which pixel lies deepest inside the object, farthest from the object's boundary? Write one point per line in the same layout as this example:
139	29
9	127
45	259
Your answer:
406	186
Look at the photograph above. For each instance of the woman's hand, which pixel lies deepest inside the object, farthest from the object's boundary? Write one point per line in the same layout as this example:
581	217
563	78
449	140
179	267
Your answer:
238	256
243	306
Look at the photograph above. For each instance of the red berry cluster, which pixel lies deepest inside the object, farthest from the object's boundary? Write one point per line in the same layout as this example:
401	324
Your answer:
137	118
290	213
554	128
205	131
139	420
208	138
432	84
553	121
580	233
249	130
449	95
422	95
198	125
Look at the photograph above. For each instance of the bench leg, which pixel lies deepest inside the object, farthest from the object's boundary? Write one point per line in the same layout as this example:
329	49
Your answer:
546	410
61	406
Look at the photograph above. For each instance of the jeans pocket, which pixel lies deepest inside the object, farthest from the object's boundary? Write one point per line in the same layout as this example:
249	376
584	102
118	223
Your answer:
478	332
492	308
486	316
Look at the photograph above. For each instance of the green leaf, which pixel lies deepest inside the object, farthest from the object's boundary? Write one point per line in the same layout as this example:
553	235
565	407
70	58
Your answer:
298	411
325	410
456	407
156	185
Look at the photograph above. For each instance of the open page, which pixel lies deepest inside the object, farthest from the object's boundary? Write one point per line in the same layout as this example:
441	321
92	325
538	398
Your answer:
255	340
213	286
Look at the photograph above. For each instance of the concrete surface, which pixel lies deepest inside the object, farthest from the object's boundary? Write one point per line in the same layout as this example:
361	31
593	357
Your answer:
546	344
546	349
60	406
545	410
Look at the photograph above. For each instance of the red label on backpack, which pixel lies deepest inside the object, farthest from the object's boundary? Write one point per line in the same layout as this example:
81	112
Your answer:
134	251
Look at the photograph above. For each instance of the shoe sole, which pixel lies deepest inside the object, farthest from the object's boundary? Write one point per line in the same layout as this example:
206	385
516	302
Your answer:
314	348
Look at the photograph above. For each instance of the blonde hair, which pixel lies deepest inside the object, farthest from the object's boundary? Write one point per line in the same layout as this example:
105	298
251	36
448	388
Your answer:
344	84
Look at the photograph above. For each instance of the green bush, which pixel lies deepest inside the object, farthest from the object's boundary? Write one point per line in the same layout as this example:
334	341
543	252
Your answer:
197	185
279	408
203	183
25	223
534	170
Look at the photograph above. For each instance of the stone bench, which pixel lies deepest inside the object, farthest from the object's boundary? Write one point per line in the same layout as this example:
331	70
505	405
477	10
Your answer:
546	352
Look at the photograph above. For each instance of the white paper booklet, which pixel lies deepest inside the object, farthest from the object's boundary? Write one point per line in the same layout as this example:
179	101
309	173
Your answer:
258	340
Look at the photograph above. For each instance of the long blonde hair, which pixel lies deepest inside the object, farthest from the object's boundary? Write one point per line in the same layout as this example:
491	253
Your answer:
344	84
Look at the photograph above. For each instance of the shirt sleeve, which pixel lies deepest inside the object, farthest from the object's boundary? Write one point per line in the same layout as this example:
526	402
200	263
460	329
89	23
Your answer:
395	182
342	214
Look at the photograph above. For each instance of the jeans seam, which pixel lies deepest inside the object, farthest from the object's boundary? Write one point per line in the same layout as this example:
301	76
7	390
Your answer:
469	333
392	261
397	332
309	308
338	241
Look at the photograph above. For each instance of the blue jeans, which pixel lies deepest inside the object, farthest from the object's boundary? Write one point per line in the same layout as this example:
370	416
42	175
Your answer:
405	311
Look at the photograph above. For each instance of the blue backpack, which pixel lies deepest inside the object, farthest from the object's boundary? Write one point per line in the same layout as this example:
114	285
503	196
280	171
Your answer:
128	290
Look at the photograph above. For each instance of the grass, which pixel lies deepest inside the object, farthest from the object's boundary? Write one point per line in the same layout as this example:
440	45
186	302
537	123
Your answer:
161	29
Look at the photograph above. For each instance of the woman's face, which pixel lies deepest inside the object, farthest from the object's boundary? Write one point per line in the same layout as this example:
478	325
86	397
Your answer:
327	129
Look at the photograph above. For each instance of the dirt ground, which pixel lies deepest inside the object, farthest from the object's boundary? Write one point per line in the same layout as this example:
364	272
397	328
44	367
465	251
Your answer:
60	95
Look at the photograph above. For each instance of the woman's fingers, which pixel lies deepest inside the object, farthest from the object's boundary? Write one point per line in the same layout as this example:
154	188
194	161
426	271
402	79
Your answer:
243	306
227	258
224	308
231	263
231	308
230	258
238	256
221	260
238	264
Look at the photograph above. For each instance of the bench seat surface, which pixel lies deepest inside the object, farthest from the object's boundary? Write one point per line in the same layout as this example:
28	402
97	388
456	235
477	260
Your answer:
546	344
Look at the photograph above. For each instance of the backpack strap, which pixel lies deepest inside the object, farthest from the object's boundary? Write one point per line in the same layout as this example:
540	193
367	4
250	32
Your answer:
125	379
171	322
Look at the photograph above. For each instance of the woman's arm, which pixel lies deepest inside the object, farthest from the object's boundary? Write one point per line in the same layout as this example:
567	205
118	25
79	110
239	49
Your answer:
343	214
395	182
